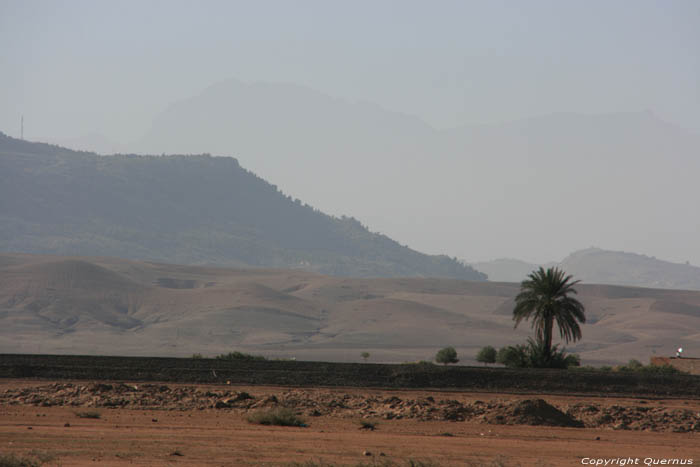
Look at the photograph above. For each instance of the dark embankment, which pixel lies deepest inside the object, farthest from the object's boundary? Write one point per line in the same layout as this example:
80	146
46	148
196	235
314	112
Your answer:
292	373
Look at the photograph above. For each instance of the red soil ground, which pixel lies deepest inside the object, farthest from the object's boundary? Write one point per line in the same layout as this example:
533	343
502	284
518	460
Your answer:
225	437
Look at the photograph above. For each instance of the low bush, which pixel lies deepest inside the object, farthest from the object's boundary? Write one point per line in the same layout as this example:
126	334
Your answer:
89	414
513	356
368	425
534	355
635	366
239	356
11	460
278	417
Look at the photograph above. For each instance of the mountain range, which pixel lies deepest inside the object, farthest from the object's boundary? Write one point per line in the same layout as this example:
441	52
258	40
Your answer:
186	210
598	266
543	185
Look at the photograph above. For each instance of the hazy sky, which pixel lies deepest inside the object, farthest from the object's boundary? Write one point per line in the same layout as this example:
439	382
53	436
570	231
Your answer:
78	67
73	67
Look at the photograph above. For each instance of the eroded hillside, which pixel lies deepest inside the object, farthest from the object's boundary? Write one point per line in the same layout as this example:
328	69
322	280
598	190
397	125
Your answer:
53	304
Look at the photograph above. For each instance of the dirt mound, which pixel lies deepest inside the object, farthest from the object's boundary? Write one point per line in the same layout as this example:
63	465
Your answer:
637	417
368	406
532	412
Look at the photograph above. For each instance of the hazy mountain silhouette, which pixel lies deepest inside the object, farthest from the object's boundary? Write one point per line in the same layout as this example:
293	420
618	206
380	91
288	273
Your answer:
563	172
183	209
597	266
594	265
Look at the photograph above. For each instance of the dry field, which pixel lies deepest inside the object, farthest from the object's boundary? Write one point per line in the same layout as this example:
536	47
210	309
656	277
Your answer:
173	424
108	306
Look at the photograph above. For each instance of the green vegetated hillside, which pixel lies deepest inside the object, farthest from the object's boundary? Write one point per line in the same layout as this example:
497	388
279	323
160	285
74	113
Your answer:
187	210
110	306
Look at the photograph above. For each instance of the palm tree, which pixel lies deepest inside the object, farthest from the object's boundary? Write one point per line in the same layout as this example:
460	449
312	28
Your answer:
544	297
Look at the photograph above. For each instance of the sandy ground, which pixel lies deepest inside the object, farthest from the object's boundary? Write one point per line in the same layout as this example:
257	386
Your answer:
225	437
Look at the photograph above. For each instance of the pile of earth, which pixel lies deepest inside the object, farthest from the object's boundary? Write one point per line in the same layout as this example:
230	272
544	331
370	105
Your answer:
531	412
314	403
639	417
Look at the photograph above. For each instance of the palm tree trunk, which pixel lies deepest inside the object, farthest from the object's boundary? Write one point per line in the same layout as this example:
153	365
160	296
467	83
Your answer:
548	337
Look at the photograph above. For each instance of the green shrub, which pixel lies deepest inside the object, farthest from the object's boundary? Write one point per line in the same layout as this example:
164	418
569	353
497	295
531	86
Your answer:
635	366
534	355
239	356
446	355
486	355
278	417
88	414
663	370
513	356
197	356
591	368
632	365
367	425
11	460
319	463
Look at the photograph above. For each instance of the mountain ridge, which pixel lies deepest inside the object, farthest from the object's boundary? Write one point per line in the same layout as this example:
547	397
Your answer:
598	266
183	209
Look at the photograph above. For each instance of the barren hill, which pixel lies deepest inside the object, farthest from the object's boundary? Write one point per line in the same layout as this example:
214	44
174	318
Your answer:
597	266
91	305
623	268
184	209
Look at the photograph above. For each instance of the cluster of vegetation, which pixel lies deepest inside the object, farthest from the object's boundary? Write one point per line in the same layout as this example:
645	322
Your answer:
278	417
635	366
239	356
88	414
545	297
535	355
12	460
532	355
34	458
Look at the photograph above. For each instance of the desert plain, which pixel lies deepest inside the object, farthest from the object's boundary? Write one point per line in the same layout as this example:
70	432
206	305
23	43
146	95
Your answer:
122	423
